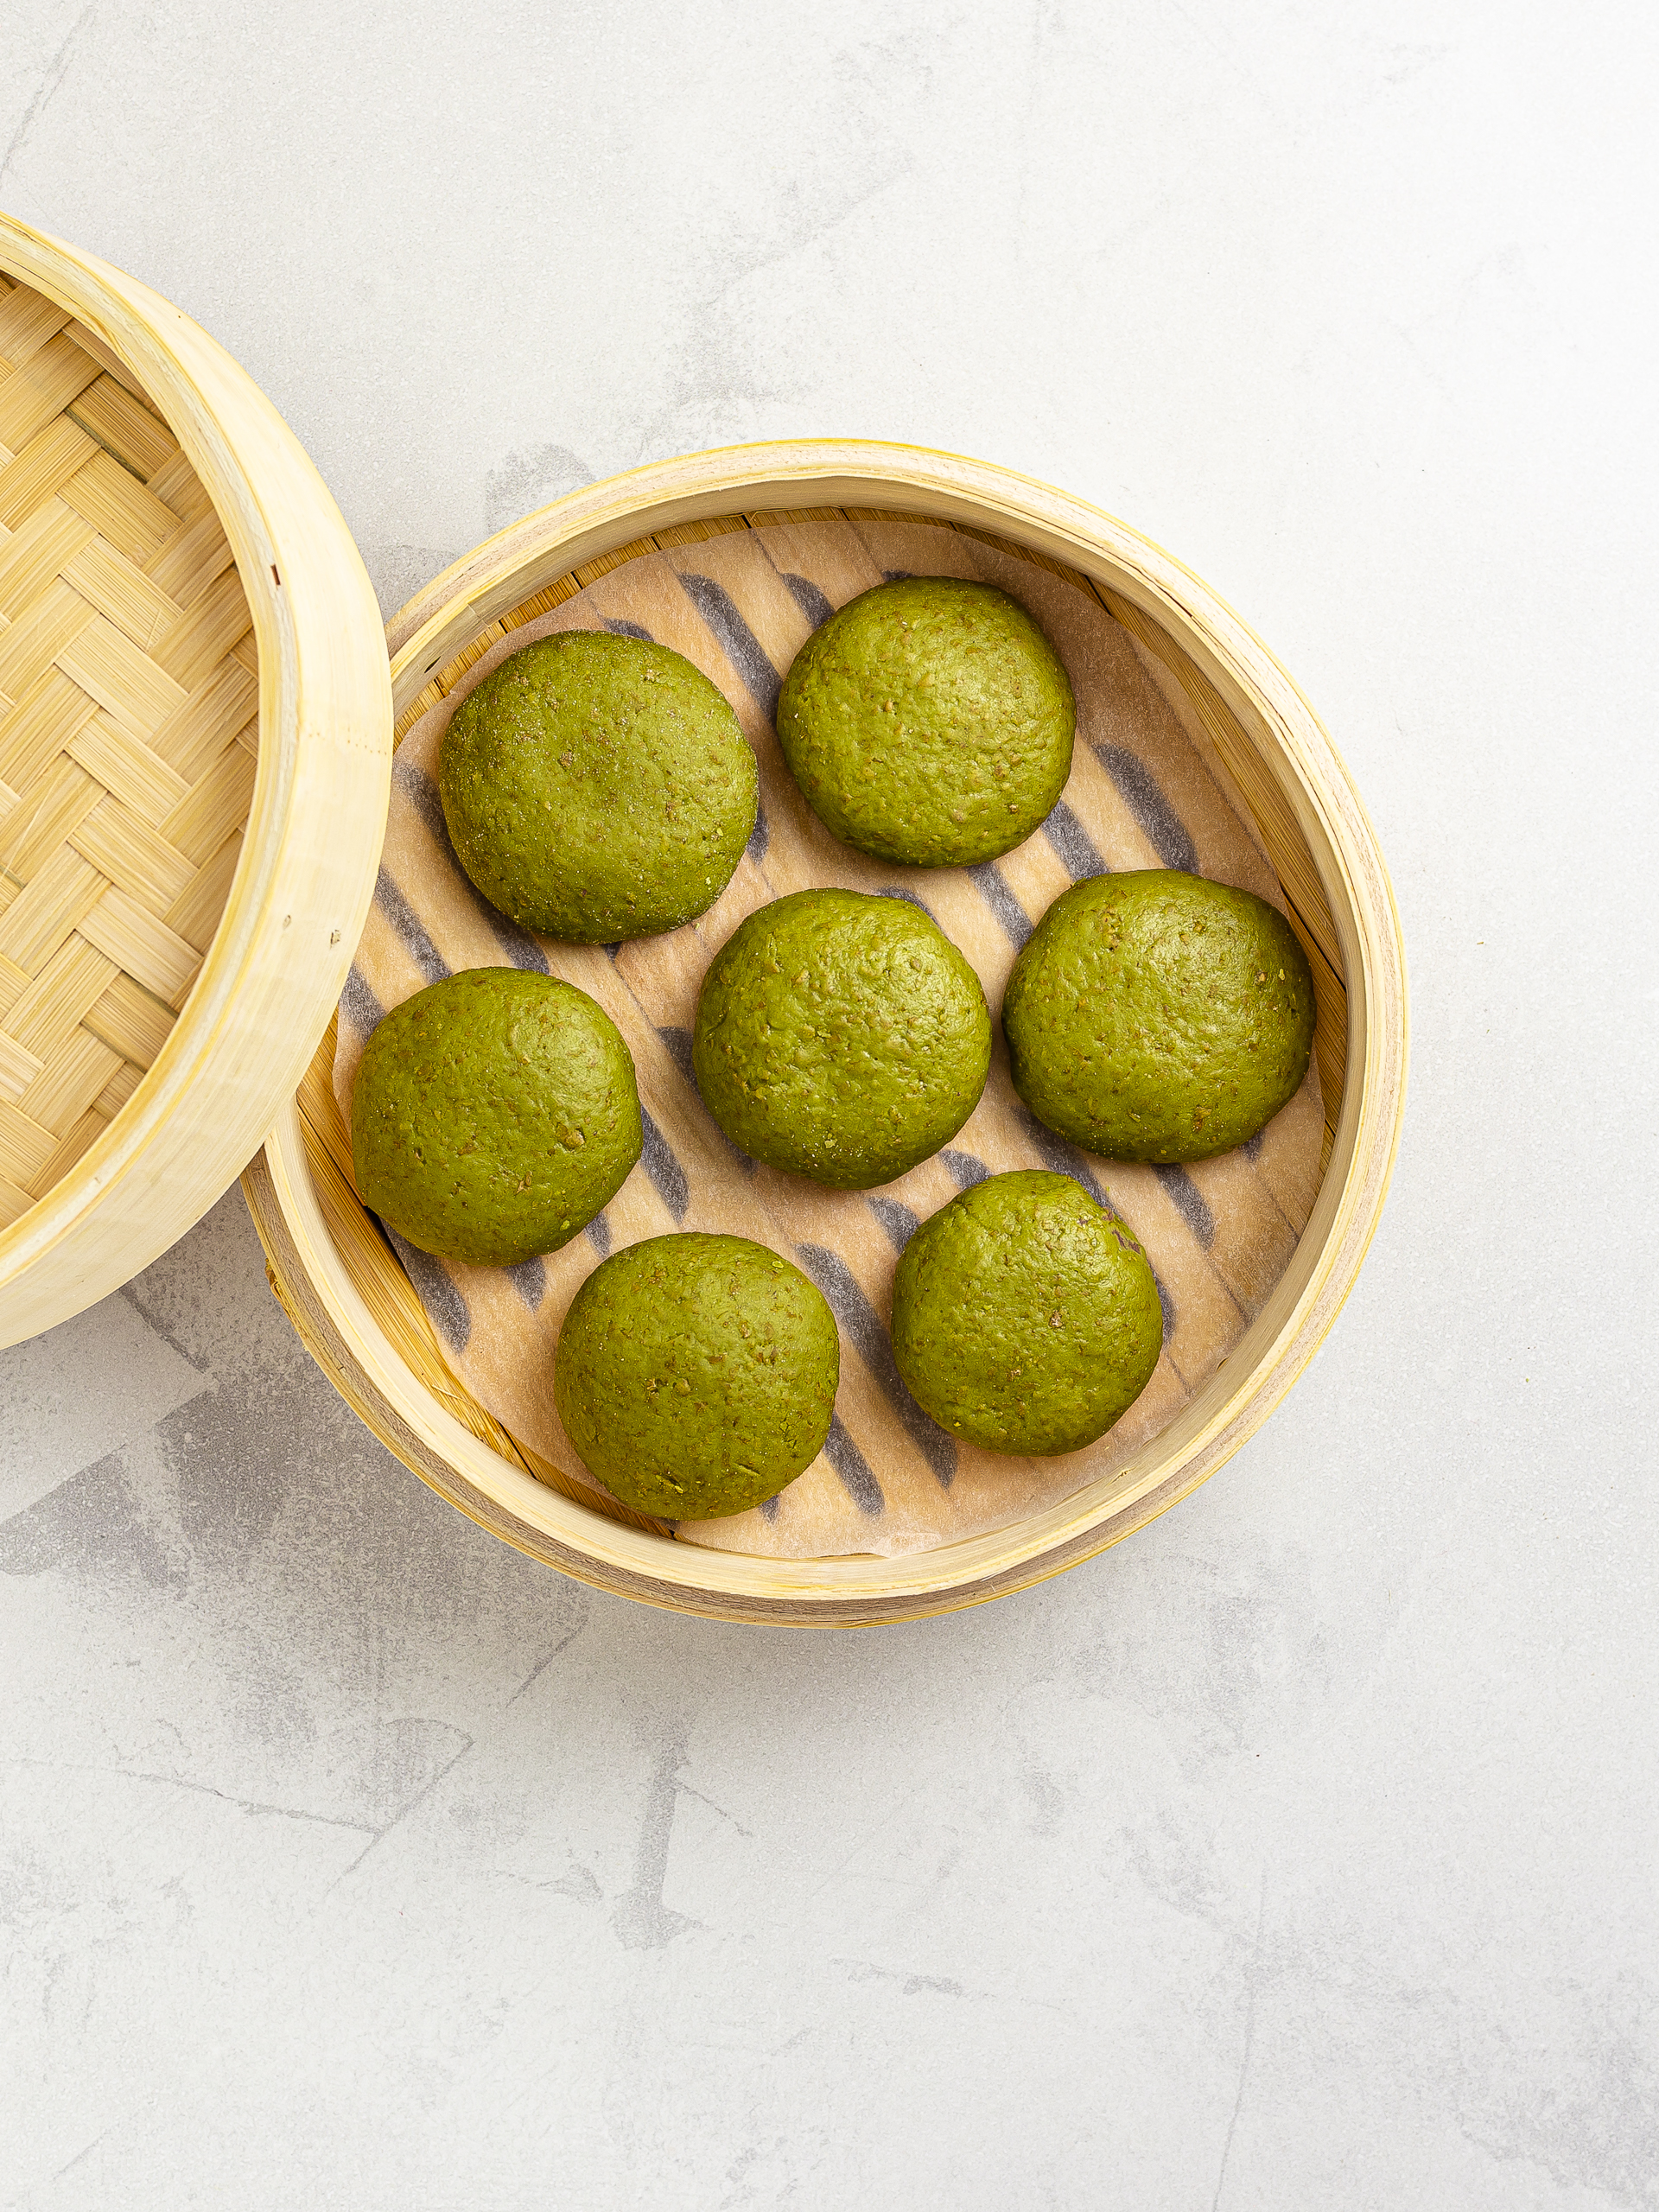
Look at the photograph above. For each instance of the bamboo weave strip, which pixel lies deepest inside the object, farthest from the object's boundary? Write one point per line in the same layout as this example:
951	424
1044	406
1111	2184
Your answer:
129	732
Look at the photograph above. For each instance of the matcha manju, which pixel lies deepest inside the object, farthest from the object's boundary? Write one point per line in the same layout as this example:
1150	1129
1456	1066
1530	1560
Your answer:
930	722
841	1037
495	1114
1025	1318
696	1374
597	788
1158	1016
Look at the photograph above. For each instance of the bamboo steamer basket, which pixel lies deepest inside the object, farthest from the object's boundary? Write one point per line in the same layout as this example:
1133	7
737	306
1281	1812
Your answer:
195	749
358	1313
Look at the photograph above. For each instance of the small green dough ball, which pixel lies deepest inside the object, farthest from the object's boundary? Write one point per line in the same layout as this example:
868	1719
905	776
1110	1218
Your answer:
495	1114
1025	1318
597	788
929	721
841	1037
696	1374
1158	1016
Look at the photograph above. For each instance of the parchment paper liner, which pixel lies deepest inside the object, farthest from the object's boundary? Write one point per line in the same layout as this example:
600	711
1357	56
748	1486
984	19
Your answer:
1146	790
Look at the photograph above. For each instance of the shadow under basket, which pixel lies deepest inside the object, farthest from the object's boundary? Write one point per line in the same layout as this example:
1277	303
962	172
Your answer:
357	1312
190	689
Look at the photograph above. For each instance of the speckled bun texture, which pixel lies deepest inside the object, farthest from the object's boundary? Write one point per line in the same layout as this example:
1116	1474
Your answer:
493	1116
1025	1319
1158	1016
841	1037
929	721
696	1374
597	788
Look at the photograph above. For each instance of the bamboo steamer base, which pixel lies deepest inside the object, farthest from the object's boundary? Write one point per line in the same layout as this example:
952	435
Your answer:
356	1313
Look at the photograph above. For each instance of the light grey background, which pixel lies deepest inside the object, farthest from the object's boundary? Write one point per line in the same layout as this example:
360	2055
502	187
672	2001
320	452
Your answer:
1299	1854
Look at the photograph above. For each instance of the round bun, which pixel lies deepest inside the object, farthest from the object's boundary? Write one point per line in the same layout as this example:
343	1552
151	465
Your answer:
1158	1016
597	788
696	1374
494	1114
930	722
1025	1318
841	1037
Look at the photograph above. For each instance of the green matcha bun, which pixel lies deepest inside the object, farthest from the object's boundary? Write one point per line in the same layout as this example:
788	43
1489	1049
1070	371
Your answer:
930	722
696	1374
1158	1016
495	1114
841	1037
1025	1318
597	788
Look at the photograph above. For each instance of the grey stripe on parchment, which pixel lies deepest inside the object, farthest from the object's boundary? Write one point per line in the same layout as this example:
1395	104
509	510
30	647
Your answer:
665	1171
359	1005
619	628
863	1325
894	891
529	1279
899	1222
410	930
1073	845
807	596
449	1309
1142	793
599	1235
993	890
678	1042
853	1468
964	1170
1190	1203
737	641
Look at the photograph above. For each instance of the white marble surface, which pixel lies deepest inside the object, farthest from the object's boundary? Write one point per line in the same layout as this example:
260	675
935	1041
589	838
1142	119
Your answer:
1299	1853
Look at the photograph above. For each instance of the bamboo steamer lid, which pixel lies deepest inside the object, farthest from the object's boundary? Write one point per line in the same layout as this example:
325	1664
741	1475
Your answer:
195	739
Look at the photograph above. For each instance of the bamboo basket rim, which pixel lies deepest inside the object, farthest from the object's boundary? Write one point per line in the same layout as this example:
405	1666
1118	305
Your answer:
336	1323
265	491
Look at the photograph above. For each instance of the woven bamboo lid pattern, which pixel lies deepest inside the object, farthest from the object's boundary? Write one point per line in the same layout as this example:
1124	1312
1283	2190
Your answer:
128	736
194	745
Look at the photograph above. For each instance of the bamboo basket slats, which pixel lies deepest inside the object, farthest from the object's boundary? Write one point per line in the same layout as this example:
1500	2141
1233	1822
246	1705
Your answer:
27	320
129	770
134	856
91	345
18	1068
131	516
121	779
194	913
45	384
56	461
194	742
125	426
125	1016
119	1088
116	588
